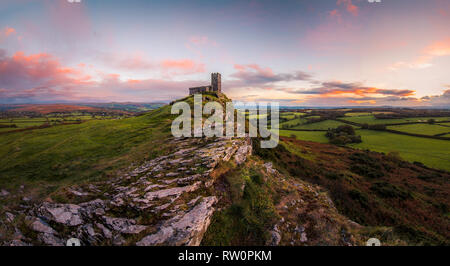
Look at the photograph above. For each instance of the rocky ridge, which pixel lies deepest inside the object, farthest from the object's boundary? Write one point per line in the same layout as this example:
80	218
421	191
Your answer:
168	200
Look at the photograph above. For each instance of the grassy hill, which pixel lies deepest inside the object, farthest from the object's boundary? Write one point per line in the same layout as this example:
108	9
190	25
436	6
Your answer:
46	159
75	153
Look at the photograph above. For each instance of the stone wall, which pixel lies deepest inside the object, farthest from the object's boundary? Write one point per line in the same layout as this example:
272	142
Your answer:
196	90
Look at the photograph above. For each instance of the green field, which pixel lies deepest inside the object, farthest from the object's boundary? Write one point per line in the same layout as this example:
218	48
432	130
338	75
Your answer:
52	119
322	125
315	136
293	122
431	152
256	116
21	123
357	114
370	119
290	115
424	129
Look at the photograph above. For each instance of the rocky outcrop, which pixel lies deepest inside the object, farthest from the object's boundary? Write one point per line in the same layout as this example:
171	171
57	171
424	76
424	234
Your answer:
163	201
186	229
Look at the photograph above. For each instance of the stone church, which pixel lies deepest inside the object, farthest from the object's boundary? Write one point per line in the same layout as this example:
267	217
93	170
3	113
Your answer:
216	85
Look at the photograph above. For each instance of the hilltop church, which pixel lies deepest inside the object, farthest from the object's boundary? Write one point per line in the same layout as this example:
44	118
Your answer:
216	85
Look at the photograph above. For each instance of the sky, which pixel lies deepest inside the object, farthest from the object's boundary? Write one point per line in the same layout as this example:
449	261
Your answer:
303	52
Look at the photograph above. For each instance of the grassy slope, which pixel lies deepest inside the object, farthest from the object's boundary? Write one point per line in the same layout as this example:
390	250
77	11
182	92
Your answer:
73	153
373	189
316	136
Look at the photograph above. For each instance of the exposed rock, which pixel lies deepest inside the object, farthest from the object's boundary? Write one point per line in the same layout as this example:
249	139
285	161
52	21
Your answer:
78	193
242	153
303	237
50	239
269	168
275	238
67	214
9	217
172	174
4	193
176	191
106	232
124	225
185	230
18	243
160	186
40	226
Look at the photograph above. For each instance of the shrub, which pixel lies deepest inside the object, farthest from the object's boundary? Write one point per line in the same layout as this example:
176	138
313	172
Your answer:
377	127
343	135
359	197
386	190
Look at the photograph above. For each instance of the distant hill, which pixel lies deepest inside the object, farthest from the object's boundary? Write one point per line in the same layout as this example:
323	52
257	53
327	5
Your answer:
50	108
81	107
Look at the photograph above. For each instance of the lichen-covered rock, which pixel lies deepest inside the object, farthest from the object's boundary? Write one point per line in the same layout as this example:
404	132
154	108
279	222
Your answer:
176	191
40	226
187	229
50	239
242	153
124	225
275	238
67	214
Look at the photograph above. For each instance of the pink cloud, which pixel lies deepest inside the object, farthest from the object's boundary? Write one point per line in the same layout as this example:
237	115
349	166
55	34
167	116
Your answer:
424	60
335	14
8	31
42	77
186	65
202	40
135	62
350	7
138	62
439	48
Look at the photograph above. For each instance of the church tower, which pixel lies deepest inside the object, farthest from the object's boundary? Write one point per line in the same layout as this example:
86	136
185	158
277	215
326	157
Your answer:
216	82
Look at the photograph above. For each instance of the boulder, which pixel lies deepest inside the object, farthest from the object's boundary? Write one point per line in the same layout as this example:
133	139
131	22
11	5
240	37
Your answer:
124	225
39	225
66	214
187	229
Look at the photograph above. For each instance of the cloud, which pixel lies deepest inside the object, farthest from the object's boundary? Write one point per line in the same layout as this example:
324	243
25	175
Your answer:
201	41
138	62
340	88
440	100
186	66
255	75
8	31
349	6
436	49
42	78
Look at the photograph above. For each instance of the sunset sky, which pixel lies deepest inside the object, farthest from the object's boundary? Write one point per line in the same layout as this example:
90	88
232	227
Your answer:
308	53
